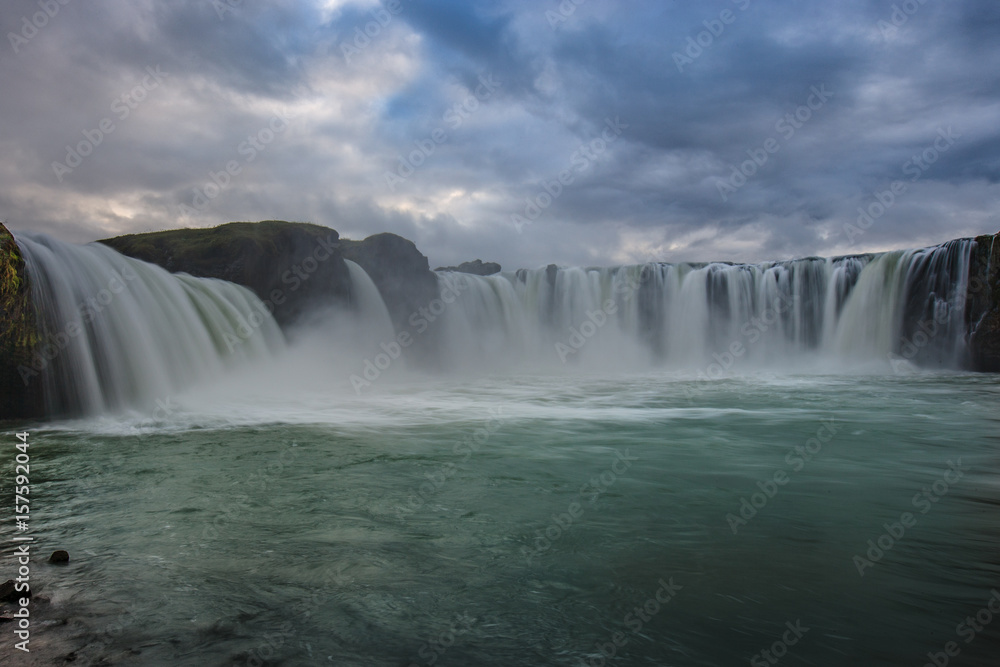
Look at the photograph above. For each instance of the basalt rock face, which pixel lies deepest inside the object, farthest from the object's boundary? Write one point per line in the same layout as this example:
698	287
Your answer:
19	335
401	273
291	266
983	304
476	267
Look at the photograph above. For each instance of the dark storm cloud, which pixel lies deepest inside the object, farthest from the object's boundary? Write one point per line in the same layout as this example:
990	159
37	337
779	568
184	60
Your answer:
389	126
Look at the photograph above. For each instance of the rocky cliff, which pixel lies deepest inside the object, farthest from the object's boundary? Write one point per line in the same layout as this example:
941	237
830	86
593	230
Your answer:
400	271
983	305
20	340
291	266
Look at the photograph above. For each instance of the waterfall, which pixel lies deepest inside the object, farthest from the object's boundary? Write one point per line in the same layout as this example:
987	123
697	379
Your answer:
370	310
890	307
909	305
118	332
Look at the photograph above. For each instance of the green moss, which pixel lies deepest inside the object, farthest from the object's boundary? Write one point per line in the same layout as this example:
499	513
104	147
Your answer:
18	327
212	240
199	251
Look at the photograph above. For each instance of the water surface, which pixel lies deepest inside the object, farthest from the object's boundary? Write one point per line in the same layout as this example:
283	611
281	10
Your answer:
523	520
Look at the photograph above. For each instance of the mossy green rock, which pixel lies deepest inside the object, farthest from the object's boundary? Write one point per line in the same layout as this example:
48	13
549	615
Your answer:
20	394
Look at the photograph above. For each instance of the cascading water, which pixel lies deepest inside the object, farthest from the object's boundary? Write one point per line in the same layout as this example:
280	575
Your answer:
903	305
118	332
909	305
370	310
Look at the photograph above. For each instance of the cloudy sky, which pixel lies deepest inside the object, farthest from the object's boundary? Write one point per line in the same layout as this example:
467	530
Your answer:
728	129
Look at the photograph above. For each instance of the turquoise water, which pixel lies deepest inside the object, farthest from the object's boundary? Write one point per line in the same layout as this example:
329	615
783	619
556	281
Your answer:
523	520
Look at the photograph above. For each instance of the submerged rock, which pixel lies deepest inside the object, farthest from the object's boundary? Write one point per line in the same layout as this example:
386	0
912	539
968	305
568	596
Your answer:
9	593
59	557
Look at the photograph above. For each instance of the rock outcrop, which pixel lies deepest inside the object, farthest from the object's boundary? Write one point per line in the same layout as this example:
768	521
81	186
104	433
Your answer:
20	338
400	271
983	305
476	267
291	266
